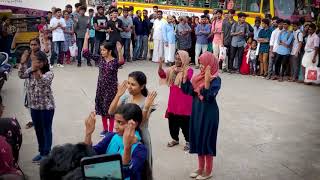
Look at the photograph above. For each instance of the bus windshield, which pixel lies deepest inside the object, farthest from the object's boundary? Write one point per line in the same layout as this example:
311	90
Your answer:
244	5
293	9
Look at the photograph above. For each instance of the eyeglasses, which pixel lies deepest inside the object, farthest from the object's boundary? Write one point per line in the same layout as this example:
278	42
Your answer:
33	44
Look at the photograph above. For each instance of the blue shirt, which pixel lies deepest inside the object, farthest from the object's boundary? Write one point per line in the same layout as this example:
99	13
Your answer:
285	37
168	34
265	34
138	26
146	26
202	37
138	157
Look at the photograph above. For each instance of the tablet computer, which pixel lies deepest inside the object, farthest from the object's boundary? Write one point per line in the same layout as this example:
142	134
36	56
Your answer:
102	167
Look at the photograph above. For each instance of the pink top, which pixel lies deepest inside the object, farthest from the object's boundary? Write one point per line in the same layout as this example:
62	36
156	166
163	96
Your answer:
312	42
217	27
178	103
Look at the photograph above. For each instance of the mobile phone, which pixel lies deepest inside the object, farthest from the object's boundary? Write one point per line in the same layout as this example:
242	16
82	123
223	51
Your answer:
102	167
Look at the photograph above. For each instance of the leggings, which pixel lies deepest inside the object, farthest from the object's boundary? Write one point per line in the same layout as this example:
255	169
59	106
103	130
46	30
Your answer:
205	162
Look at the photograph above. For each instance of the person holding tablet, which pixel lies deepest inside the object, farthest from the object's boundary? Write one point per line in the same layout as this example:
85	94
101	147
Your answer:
126	141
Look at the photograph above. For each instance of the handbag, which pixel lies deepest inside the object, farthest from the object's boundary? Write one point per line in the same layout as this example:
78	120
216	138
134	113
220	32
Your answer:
312	75
151	45
223	53
73	50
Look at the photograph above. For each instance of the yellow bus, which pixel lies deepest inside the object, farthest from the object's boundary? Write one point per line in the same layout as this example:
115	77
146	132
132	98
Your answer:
287	9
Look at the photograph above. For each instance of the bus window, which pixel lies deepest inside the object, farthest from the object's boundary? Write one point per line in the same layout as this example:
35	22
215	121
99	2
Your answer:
293	9
266	7
244	5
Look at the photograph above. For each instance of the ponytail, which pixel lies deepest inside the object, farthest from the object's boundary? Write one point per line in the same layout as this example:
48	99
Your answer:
144	91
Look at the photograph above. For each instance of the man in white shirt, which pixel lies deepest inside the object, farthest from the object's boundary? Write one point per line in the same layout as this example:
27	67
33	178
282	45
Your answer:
57	26
274	44
256	28
295	52
157	37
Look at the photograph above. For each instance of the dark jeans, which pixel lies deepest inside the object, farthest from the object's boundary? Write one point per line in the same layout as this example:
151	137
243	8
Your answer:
126	48
233	53
144	47
281	60
42	121
175	123
91	44
58	52
80	45
294	64
7	44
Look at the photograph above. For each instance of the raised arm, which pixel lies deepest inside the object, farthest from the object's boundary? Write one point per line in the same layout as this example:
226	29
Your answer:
23	72
162	74
86	53
115	102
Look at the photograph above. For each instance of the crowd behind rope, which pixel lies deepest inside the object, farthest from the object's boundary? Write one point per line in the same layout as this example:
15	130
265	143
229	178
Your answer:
272	51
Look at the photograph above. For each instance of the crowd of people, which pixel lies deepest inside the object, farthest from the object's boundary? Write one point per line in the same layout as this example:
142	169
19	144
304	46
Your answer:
272	51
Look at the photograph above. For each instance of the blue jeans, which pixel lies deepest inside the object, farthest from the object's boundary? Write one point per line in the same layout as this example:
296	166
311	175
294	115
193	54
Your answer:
42	121
126	48
58	52
137	48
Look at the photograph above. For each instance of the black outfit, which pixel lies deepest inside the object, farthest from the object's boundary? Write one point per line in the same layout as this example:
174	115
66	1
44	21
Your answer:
281	60
175	123
100	20
114	36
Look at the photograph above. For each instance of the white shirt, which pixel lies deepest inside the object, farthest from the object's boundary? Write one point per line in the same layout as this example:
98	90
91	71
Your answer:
157	29
256	31
57	34
274	39
298	37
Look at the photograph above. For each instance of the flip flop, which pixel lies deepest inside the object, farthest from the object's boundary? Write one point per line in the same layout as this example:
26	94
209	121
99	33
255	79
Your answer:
29	125
172	143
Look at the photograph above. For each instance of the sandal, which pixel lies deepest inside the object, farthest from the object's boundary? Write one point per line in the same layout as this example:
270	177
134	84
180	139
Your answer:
172	143
186	147
29	125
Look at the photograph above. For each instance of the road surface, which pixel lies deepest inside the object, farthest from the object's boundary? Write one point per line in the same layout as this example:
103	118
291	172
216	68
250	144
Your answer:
268	130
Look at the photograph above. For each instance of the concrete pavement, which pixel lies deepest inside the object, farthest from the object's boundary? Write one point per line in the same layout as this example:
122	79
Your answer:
268	130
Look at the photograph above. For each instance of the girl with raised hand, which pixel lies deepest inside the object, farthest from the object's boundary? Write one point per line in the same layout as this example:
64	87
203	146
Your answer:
40	99
204	88
107	80
138	94
178	113
126	141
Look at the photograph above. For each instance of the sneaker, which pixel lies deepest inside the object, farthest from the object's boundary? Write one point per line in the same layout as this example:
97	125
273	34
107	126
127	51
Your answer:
37	159
60	65
79	65
51	67
194	174
203	177
89	64
103	133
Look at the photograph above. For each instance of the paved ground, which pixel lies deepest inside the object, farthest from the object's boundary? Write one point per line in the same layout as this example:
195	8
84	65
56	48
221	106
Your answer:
268	130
